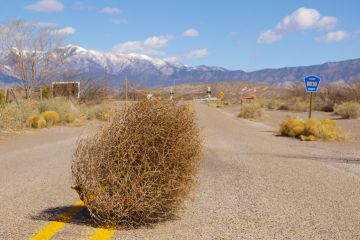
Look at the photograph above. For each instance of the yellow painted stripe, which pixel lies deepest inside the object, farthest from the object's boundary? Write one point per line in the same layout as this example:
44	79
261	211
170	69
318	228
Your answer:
53	227
103	234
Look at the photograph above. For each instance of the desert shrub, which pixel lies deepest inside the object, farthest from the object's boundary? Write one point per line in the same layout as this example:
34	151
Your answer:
46	91
100	112
69	117
295	104
348	110
292	127
311	129
251	110
140	168
327	108
36	121
65	108
2	98
269	103
13	116
321	103
51	117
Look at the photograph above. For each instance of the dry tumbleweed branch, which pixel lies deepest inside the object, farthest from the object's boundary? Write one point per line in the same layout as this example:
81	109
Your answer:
139	170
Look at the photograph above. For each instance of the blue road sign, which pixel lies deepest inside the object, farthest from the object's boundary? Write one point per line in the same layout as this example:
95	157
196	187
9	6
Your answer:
312	83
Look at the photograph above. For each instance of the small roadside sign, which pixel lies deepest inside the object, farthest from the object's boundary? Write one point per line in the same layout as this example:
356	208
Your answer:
312	83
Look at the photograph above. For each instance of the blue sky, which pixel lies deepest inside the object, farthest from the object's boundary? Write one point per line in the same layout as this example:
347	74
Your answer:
246	34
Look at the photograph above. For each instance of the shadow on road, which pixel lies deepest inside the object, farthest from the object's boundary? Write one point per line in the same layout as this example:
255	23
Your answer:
83	218
55	214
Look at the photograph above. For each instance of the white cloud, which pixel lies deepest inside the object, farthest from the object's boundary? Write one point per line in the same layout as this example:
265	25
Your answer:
327	23
333	37
45	24
63	31
80	5
110	10
151	46
191	33
119	21
172	59
269	36
46	6
198	53
194	54
301	19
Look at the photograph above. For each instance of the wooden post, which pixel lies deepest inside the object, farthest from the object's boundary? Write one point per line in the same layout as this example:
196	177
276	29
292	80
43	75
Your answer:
6	95
41	94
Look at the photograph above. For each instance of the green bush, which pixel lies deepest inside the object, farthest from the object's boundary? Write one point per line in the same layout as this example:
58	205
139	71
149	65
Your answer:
348	110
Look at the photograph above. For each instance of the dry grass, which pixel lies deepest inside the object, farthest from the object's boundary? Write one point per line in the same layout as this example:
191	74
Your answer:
251	111
140	168
269	103
101	112
348	110
13	117
67	110
36	121
311	130
2	98
54	111
51	117
295	104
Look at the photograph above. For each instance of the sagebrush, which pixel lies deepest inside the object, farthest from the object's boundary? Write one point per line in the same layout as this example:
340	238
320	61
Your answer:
348	110
36	121
251	111
311	129
51	117
295	104
140	168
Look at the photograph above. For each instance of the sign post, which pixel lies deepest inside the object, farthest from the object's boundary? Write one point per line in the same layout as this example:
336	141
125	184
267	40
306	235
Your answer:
208	92
311	85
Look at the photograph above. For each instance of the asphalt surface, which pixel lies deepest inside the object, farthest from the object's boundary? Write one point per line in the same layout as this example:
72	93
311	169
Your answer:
253	185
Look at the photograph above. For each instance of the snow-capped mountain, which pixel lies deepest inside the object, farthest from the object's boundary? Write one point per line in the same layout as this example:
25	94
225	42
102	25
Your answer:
144	69
80	63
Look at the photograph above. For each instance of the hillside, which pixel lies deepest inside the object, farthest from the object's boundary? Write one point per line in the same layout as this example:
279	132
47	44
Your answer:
90	64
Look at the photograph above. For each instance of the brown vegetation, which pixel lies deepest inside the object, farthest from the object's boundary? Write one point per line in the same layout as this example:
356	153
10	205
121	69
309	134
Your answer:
311	129
251	110
348	110
139	169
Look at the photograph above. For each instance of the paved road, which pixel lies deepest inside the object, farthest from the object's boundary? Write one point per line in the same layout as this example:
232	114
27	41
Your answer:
253	185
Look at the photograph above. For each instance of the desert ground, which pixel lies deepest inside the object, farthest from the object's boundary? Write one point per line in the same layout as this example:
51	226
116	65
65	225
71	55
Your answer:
253	184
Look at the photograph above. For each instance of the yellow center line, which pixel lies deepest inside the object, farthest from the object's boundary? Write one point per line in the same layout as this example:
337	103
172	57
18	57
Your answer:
103	234
55	226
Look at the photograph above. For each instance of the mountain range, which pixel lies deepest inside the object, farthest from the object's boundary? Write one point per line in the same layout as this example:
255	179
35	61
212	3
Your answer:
151	72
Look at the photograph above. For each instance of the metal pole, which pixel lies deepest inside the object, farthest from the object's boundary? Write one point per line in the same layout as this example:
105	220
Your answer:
311	96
